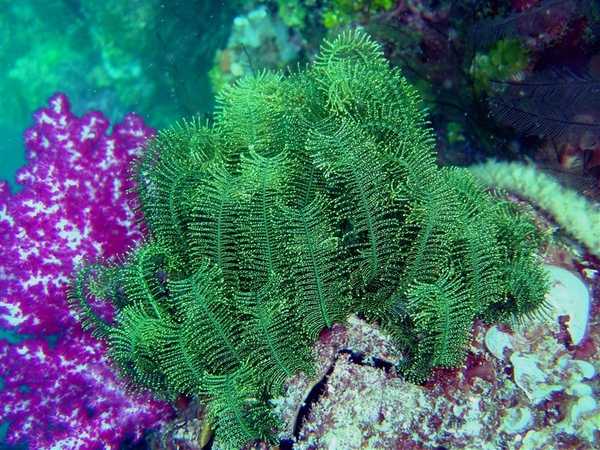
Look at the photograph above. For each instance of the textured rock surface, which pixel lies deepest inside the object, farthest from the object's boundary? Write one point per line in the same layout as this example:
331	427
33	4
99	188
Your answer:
522	389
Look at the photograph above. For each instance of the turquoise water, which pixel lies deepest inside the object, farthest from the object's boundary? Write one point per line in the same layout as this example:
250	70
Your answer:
146	56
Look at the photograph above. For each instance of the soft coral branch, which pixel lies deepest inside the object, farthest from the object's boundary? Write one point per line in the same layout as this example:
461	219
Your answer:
73	205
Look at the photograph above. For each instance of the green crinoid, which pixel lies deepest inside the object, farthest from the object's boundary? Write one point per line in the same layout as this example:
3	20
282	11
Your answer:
311	196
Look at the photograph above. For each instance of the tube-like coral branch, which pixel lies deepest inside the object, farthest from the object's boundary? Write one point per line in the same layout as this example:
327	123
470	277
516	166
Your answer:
578	216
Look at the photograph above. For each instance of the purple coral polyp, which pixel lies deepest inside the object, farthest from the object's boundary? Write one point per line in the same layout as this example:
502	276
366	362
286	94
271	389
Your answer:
74	205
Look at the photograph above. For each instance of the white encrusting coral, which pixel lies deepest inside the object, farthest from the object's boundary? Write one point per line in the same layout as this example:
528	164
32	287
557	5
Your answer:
569	296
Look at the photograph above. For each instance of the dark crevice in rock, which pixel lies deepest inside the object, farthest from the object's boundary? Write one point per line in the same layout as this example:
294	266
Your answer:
360	359
318	389
286	444
313	396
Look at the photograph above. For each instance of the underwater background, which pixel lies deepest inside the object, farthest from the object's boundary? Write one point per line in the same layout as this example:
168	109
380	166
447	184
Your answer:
510	91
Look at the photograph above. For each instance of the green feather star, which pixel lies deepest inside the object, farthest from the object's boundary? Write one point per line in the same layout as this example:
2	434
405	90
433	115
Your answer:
310	197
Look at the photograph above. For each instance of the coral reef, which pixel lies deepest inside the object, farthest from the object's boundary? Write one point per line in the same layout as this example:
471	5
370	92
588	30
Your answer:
549	100
506	59
500	78
301	254
310	197
340	13
258	41
484	69
536	393
574	213
58	389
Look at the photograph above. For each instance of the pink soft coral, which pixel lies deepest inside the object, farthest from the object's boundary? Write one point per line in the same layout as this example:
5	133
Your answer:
74	205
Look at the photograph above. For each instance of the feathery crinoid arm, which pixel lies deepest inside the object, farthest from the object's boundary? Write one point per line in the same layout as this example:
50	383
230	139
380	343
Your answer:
428	239
476	255
250	115
133	343
317	269
442	322
347	70
524	280
214	226
359	181
81	294
356	82
165	177
209	320
172	345
476	252
452	272
144	274
239	410
525	296
198	337
353	47
273	336
139	279
178	358
434	216
264	181
516	230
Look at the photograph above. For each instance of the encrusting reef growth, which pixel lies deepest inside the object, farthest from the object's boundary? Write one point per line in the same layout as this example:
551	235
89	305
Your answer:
313	195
